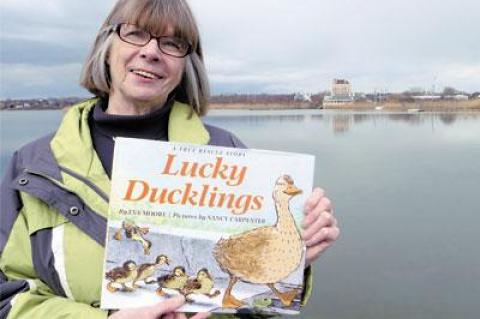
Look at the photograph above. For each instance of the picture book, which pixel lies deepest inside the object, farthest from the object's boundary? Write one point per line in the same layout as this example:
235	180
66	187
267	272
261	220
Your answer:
219	225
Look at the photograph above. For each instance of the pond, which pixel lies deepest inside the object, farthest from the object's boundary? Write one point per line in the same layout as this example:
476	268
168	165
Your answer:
406	194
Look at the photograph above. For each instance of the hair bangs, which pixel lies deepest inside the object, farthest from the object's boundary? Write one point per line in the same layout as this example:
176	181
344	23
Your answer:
157	16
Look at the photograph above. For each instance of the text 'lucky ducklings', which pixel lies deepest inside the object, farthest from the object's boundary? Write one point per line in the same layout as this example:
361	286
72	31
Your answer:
206	195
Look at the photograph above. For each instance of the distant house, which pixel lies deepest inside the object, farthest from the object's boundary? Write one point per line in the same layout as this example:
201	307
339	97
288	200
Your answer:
458	97
303	97
426	97
340	93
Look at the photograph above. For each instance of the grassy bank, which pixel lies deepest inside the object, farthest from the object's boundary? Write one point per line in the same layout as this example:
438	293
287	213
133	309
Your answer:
442	105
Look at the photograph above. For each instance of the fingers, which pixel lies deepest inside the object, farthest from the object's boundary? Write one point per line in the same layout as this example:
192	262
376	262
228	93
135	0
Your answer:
169	305
325	219
164	310
323	206
326	234
314	252
320	226
201	315
321	242
314	198
179	315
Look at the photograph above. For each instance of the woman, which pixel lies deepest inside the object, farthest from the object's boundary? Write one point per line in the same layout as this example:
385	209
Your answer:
147	74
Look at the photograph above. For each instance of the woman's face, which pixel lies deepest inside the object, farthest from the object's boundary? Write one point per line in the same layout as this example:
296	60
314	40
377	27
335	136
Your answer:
141	77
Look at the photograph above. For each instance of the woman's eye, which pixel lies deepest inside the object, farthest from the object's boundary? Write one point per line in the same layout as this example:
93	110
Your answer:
136	33
172	44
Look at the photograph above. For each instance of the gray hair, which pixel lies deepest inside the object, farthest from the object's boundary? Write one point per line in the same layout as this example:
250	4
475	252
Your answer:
154	16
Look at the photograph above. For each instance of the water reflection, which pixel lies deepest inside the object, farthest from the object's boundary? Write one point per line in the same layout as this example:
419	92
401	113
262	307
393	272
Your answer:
448	118
359	118
413	119
258	118
342	123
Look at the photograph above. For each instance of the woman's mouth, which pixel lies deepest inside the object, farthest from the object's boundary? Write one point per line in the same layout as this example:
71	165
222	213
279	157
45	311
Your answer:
146	74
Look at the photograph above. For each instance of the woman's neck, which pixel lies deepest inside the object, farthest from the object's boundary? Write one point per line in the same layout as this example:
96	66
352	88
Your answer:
118	106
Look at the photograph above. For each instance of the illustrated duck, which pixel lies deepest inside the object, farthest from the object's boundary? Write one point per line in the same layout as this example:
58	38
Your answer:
201	284
176	280
122	275
264	255
134	232
145	271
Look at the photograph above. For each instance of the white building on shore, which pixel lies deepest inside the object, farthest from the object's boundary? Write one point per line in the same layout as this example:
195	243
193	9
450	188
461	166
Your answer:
340	94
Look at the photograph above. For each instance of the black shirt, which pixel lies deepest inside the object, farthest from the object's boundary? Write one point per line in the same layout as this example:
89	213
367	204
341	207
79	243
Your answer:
105	127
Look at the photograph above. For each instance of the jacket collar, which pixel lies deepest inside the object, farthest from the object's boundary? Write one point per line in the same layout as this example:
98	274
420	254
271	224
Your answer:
73	148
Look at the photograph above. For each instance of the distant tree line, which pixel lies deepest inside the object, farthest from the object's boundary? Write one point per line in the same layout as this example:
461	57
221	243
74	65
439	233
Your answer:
262	98
251	99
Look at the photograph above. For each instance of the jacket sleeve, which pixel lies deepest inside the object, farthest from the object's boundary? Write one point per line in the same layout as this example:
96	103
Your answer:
307	285
22	293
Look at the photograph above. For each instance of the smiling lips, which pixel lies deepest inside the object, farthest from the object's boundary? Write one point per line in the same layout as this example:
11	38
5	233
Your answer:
146	74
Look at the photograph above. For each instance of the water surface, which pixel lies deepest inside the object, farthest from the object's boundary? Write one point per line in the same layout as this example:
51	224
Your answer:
406	190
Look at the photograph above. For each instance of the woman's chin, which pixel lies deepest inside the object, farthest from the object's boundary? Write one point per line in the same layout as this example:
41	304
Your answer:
147	98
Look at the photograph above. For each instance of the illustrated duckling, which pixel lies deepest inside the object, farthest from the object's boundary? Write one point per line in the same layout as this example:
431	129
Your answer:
176	280
134	232
146	270
201	284
122	275
264	255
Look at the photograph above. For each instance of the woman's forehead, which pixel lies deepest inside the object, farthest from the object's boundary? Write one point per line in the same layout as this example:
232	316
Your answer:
157	22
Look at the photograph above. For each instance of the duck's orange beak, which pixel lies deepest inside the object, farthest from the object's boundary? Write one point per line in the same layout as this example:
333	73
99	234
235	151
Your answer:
292	190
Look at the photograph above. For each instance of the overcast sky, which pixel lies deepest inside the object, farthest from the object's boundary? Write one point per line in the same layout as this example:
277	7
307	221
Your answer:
263	46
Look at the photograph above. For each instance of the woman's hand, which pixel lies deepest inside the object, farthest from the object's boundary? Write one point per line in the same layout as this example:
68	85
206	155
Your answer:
319	224
161	310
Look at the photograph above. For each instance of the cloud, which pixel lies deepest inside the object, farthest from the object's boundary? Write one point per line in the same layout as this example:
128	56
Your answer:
40	81
275	45
21	51
376	44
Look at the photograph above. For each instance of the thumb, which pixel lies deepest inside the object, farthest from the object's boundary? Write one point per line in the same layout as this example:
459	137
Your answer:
170	305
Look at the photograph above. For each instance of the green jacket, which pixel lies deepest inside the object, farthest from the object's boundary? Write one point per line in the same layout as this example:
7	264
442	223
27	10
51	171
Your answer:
53	211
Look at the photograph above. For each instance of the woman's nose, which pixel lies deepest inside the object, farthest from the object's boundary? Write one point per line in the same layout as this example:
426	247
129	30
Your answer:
151	51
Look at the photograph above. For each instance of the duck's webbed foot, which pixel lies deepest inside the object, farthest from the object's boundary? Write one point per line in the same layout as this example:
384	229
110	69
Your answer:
230	301
160	292
126	288
118	235
111	288
285	297
288	296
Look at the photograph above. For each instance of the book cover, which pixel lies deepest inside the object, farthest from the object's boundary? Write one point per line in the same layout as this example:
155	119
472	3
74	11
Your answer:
218	225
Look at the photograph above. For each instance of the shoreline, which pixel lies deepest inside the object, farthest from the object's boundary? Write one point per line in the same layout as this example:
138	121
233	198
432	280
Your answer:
419	106
422	106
